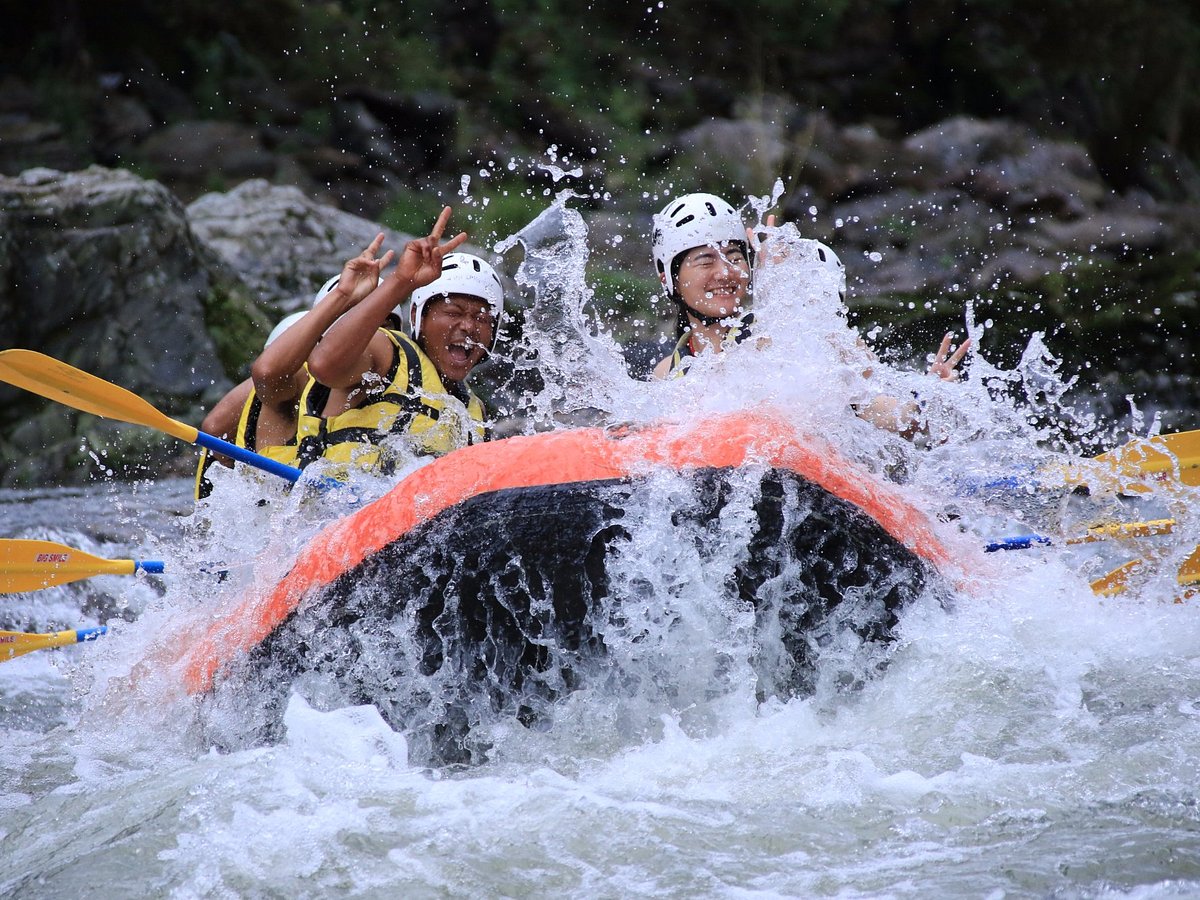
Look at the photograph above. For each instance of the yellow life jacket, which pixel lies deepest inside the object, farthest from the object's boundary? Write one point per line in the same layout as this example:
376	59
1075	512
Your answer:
412	401
682	355
244	436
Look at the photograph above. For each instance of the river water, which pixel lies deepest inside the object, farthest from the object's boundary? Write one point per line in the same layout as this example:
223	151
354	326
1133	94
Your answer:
1026	739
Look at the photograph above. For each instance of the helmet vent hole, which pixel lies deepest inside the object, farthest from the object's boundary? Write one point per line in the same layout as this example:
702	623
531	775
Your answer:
712	210
684	221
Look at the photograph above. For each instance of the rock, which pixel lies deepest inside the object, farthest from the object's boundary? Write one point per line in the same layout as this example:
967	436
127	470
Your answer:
1109	233
746	153
280	243
190	155
101	270
122	123
955	146
26	142
408	133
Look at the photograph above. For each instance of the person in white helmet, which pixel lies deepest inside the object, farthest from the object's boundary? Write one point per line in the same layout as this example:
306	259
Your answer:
704	262
705	256
396	385
260	413
280	373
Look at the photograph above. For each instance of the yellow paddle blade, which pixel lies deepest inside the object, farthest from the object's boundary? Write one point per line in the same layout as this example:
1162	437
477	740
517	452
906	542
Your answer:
1189	572
1116	581
27	565
18	643
72	387
1165	457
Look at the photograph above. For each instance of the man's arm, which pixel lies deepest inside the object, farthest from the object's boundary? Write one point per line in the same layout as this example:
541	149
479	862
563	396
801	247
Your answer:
353	346
278	372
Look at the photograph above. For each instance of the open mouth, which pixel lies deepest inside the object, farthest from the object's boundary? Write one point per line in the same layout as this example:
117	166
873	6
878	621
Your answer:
459	353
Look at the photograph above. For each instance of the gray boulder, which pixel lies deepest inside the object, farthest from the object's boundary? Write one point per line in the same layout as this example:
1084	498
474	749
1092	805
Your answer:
282	245
101	270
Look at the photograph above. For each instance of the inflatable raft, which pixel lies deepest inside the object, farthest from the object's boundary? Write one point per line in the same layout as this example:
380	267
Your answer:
499	578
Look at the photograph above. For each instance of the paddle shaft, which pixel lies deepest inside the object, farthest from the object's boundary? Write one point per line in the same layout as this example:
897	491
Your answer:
1117	530
241	454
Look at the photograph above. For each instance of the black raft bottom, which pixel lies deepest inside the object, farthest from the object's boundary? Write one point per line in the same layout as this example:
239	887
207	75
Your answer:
501	605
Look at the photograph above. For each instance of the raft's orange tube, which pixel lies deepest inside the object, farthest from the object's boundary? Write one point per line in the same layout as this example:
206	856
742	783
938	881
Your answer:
588	454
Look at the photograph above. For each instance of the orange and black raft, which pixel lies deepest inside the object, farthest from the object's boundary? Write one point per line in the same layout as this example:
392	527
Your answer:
499	569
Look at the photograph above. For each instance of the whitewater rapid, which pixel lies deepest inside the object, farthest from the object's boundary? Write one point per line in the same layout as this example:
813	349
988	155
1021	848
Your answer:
1025	737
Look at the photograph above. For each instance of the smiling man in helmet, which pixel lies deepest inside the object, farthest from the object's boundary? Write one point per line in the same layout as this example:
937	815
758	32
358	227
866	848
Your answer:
397	385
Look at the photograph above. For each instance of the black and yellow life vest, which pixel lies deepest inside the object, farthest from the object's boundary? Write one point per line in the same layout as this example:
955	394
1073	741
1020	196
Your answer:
683	354
412	401
244	436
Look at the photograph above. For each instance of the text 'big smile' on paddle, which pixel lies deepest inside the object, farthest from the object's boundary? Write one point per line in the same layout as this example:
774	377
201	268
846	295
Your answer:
29	565
55	380
18	643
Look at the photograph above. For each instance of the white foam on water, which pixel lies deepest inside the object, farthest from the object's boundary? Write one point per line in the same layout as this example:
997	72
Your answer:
1024	738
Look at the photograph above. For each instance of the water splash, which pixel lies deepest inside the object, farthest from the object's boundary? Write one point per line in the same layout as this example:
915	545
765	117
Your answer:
1029	721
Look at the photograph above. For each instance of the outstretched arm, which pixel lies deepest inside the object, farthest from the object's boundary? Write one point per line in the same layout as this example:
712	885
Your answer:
278	372
349	350
903	417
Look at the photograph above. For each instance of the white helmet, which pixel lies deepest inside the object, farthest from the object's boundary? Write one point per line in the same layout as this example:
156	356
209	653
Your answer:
285	323
327	287
462	273
821	256
694	220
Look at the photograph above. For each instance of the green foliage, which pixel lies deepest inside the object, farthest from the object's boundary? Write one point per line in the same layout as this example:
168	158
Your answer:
624	304
237	327
500	209
493	210
411	211
1100	313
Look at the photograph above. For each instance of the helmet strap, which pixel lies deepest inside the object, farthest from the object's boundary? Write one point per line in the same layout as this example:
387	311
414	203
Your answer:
704	318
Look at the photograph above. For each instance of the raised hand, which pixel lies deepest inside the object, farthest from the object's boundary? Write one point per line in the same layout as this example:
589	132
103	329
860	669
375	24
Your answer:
361	274
421	261
945	363
756	244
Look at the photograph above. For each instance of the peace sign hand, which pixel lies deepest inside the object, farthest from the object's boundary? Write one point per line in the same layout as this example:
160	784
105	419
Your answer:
360	275
945	363
421	262
758	244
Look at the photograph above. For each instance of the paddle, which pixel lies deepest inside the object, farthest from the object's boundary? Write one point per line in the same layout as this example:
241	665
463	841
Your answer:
72	387
27	565
1117	581
18	643
1124	469
1119	530
1162	455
